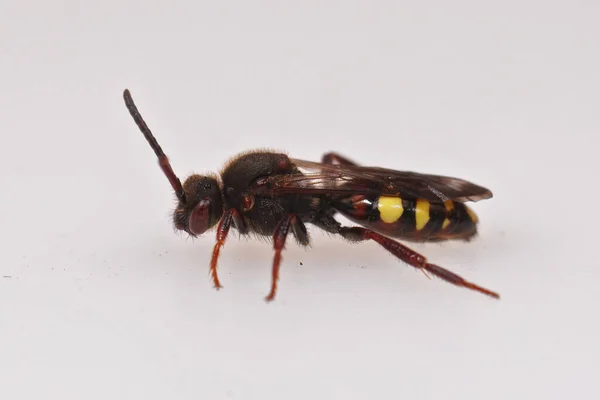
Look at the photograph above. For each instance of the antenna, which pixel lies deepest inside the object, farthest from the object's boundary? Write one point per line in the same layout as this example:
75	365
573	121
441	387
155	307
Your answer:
163	161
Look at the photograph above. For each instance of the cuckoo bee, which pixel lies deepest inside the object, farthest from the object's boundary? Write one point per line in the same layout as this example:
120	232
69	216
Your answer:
273	195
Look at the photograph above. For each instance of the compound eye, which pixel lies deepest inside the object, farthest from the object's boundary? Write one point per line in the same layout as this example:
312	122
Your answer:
200	218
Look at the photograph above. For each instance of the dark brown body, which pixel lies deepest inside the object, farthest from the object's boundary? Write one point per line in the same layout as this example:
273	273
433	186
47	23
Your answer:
242	178
261	213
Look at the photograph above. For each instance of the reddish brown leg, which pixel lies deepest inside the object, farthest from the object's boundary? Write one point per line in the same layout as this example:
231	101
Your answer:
411	257
279	237
336	159
222	231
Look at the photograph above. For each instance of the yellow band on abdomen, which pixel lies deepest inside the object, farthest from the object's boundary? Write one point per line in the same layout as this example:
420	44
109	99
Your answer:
472	215
390	208
421	213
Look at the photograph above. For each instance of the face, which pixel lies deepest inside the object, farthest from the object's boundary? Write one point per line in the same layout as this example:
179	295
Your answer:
203	207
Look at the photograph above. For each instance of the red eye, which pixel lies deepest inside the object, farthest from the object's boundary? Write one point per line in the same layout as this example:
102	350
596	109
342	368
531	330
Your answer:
200	219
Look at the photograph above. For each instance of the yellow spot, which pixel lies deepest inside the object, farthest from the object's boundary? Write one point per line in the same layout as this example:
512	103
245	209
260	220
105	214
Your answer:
421	213
449	205
390	209
446	223
472	215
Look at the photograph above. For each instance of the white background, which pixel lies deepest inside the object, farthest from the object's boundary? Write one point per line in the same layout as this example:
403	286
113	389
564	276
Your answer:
100	300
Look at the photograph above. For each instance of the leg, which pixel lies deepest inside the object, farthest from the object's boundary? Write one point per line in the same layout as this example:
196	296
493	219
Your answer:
411	257
336	159
300	232
230	216
239	224
279	237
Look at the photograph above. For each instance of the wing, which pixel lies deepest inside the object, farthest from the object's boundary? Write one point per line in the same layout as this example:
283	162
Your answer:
318	178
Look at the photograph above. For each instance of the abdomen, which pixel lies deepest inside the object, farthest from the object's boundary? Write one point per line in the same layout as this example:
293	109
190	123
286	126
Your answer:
410	219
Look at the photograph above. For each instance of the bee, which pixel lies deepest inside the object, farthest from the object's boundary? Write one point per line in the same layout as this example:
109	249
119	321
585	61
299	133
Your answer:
273	195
